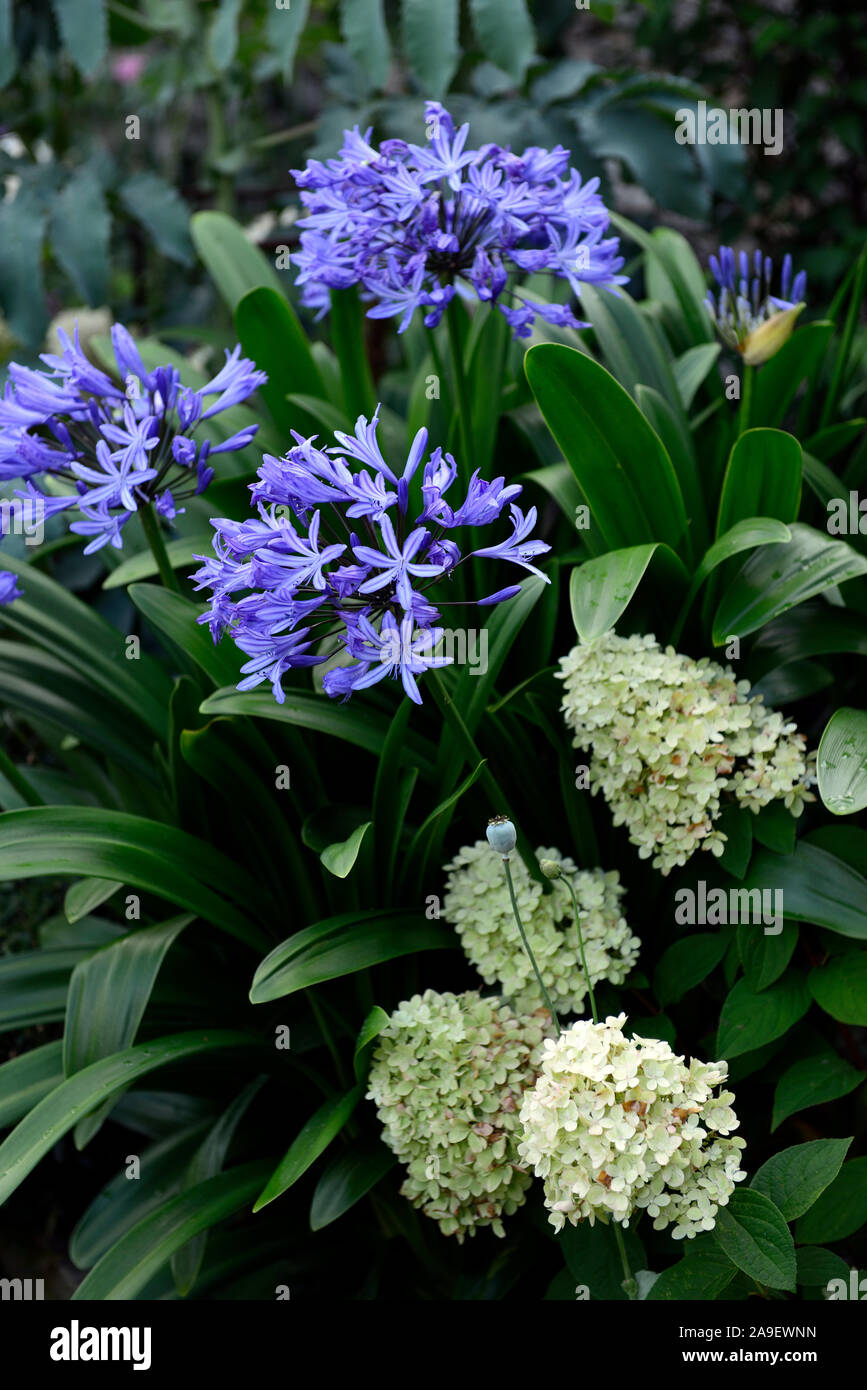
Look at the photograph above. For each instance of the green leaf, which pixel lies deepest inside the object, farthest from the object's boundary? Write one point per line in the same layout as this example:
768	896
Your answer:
83	29
313	1140
795	1177
749	1020
364	728
86	895
61	1110
816	887
22	288
430	37
145	854
142	565
162	211
205	1163
691	368
754	1235
633	354
840	1211
272	336
620	465
842	762
8	51
779	379
235	265
27	1079
840	987
223	34
817	1266
778	577
600	590
339	859
362	24
126	1268
33	984
284	27
686	964
593	1258
346	1180
674	433
774	827
765	955
763	479
342	945
813	1081
174	617
371	1028
744	535
505	34
736	823
80	227
695	1278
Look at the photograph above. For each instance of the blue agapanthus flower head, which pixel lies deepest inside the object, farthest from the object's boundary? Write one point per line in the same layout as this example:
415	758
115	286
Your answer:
347	547
745	303
414	225
9	590
111	445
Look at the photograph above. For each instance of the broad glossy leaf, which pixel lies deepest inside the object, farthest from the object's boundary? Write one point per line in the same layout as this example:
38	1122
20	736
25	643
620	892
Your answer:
174	617
840	1210
33	985
284	28
362	24
816	887
632	353
125	1269
505	34
813	1081
686	964
842	762
313	1140
778	577
86	895
27	1079
744	535
72	1099
763	479
47	840
347	1179
371	1028
430	38
779	379
233	262
339	858
695	1278
161	210
753	1233
817	1266
795	1177
342	945
765	954
142	565
691	368
272	336
600	590
620	464
840	987
749	1020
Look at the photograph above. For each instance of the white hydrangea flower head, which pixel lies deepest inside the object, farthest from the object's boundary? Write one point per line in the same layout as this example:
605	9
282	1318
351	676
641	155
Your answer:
616	1124
447	1077
670	735
477	905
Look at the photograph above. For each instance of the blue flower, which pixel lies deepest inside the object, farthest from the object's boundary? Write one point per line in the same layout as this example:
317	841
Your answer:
283	589
415	225
117	447
9	590
745	304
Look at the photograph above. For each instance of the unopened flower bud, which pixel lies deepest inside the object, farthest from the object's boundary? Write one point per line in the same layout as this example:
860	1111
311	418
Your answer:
769	337
550	868
502	835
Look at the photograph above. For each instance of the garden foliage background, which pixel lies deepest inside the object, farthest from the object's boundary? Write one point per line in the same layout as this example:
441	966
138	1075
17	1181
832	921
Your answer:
145	151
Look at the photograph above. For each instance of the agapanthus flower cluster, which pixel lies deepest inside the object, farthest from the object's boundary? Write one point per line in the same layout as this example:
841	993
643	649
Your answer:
477	905
616	1125
747	316
448	1076
414	225
103	447
669	736
356	563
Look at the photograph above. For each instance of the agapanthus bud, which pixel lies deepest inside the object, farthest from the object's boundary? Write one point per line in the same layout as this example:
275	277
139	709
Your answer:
769	337
669	735
478	906
448	1076
502	835
616	1125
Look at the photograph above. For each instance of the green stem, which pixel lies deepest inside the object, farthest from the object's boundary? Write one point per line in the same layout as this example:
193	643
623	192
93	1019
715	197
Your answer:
746	399
463	404
630	1288
18	781
328	1038
581	949
553	1012
154	537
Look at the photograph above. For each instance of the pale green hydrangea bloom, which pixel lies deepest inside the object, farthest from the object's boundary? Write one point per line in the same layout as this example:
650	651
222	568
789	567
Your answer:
669	735
477	905
616	1124
448	1075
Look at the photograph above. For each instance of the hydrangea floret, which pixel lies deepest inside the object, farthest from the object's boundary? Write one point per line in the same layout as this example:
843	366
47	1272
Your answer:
414	225
477	904
104	447
617	1125
747	316
353	561
670	736
448	1076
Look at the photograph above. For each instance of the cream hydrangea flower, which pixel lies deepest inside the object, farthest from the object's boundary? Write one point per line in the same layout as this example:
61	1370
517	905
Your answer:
477	905
447	1077
616	1124
669	735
